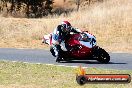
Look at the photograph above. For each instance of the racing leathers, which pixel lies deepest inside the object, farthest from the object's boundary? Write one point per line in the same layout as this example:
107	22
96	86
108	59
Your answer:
58	36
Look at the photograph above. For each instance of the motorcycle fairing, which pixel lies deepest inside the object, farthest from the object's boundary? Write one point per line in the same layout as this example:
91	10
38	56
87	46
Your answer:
89	42
79	50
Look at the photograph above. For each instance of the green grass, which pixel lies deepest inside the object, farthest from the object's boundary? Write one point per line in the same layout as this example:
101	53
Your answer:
25	75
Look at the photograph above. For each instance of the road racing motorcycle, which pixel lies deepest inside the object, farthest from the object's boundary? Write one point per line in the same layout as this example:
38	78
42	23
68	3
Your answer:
80	46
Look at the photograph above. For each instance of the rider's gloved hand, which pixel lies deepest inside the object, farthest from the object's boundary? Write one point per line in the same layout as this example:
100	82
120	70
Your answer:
57	43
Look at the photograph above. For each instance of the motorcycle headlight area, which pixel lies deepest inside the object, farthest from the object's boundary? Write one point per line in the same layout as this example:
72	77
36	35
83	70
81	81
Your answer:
84	37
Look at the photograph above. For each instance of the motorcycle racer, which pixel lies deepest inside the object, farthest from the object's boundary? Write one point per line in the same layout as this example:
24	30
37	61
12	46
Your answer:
60	33
80	45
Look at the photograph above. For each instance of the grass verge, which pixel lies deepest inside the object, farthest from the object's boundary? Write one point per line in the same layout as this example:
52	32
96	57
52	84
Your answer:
24	75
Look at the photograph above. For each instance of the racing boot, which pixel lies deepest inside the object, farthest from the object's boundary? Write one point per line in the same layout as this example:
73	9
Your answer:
54	50
58	53
58	59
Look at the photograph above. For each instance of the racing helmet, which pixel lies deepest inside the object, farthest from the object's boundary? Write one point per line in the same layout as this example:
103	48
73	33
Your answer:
66	26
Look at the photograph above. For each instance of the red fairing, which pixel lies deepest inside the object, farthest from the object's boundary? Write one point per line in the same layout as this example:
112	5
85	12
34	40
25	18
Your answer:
73	40
83	52
50	39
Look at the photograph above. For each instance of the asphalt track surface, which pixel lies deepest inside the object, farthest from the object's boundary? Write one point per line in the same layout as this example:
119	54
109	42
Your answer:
120	61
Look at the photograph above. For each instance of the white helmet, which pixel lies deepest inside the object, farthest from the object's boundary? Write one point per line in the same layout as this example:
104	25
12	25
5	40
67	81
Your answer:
66	26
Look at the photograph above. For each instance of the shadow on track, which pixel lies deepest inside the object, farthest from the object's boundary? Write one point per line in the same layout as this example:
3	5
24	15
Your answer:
89	62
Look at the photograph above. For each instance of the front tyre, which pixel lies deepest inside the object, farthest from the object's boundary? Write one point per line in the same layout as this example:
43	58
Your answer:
101	55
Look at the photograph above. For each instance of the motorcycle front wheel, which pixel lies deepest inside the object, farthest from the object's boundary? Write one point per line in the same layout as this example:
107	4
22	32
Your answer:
102	56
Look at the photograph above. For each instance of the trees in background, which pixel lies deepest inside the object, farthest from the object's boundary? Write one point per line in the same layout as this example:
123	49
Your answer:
38	8
29	8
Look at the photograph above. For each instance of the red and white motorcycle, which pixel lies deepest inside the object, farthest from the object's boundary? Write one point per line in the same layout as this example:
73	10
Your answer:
78	47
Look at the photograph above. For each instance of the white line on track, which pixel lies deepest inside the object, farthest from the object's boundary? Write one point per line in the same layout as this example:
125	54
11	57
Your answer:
50	64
